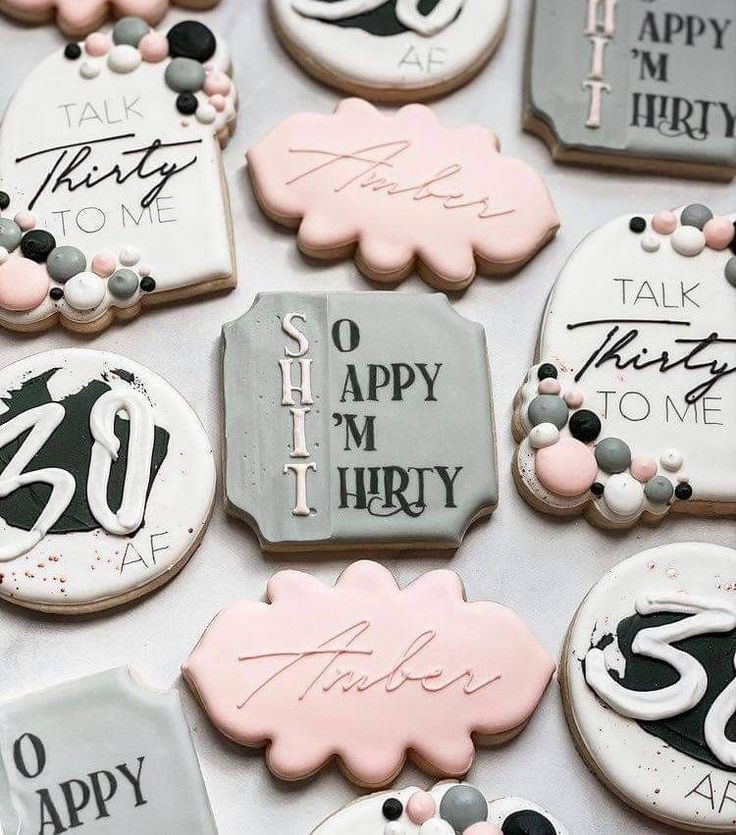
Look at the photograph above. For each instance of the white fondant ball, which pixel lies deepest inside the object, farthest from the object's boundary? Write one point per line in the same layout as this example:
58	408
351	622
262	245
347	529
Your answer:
394	828
688	241
206	114
129	256
436	826
543	435
84	291
671	460
650	242
124	58
623	494
90	68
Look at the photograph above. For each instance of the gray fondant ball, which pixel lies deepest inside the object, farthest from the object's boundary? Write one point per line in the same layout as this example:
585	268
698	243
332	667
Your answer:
696	214
462	806
184	75
731	271
65	262
10	234
613	455
548	408
130	30
659	490
123	284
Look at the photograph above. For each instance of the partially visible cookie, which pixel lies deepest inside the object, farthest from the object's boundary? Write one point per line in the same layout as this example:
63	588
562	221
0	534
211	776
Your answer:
77	18
367	673
391	50
647	677
446	809
402	192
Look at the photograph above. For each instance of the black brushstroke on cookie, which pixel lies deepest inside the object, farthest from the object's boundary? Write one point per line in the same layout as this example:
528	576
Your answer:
381	21
714	651
70	449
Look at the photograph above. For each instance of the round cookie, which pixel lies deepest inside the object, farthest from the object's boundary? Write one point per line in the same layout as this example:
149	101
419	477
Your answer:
647	677
412	811
107	481
391	50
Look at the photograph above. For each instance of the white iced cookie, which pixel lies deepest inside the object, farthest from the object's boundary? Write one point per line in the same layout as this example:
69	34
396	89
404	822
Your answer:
446	809
628	413
104	752
395	50
107	481
647	677
112	194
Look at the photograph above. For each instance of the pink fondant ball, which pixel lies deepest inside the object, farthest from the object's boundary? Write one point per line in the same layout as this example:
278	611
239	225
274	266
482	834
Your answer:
218	102
665	223
421	807
24	284
568	468
26	220
97	44
104	264
643	468
549	386
217	82
154	47
574	398
483	828
719	232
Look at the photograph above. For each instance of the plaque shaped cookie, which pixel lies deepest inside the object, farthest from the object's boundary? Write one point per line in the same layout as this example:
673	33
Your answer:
315	674
104	752
77	18
356	419
642	86
113	193
107	481
402	192
628	413
446	809
395	50
647	677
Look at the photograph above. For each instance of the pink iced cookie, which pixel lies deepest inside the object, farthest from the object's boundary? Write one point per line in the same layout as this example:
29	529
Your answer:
77	18
402	191
366	672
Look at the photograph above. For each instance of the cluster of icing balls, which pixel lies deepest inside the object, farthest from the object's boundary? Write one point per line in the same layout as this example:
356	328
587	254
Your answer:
189	45
33	267
571	465
463	810
695	229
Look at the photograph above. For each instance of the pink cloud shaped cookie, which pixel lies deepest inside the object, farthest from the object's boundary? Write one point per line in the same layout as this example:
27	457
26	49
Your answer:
367	673
402	192
77	18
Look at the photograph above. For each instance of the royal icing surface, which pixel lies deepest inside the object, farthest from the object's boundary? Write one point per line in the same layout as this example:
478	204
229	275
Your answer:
354	418
107	480
413	811
109	159
104	752
637	341
644	81
402	188
78	17
649	670
366	672
399	45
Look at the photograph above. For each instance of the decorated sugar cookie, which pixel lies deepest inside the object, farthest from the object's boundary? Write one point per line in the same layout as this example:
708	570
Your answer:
356	419
391	50
107	481
315	673
112	195
642	86
402	192
106	753
628	412
446	809
77	18
648	683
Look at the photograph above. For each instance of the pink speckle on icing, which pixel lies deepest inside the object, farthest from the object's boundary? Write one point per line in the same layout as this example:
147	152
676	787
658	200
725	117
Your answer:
26	220
421	807
566	469
24	284
483	828
218	102
97	44
549	386
574	398
664	222
154	47
643	468
719	232
104	264
217	82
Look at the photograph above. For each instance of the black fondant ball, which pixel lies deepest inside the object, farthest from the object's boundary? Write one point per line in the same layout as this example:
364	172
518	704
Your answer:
596	488
4	200
56	293
683	491
585	426
37	245
72	51
638	225
148	285
191	39
393	809
186	103
546	370
527	822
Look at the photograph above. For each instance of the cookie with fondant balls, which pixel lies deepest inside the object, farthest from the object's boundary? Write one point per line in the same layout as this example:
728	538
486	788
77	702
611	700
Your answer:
448	808
628	414
634	86
391	50
402	192
77	18
105	169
